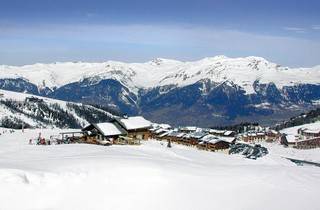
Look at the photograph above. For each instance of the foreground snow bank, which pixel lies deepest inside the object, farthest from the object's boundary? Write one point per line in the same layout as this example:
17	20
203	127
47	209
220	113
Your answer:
150	176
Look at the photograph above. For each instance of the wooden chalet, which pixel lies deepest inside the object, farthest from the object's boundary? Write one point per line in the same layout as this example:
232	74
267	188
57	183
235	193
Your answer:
136	127
272	136
194	138
253	136
215	143
308	133
188	129
103	133
155	133
175	136
222	133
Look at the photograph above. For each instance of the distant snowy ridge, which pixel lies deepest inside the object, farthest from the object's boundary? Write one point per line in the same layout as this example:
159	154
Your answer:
161	72
209	92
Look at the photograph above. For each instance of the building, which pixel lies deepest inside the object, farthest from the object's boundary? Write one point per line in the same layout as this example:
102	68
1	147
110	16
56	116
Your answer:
273	136
136	127
188	129
304	139
222	132
214	143
306	133
253	136
103	133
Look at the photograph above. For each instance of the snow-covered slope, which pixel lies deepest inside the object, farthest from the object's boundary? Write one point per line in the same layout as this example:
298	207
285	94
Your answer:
160	72
35	111
150	176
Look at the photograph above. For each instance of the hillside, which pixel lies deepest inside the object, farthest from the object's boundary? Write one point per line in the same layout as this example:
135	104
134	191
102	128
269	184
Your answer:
19	110
207	92
302	119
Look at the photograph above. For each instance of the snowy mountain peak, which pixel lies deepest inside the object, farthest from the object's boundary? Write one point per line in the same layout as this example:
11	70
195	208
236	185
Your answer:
161	61
161	72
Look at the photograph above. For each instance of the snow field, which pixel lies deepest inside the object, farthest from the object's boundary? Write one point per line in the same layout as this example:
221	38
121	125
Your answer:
150	176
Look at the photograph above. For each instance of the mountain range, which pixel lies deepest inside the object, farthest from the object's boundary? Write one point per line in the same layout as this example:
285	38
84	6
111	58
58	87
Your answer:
208	92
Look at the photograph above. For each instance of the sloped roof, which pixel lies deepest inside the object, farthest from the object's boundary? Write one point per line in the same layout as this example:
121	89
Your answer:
313	131
197	135
132	123
215	139
109	129
227	133
188	128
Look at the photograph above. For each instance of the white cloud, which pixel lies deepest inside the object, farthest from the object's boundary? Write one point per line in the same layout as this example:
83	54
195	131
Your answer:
316	27
295	29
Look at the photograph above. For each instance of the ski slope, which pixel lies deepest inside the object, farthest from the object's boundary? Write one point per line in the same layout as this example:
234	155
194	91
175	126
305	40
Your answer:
150	176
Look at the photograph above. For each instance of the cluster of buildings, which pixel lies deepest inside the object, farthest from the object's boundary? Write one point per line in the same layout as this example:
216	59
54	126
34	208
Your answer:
131	130
206	139
305	138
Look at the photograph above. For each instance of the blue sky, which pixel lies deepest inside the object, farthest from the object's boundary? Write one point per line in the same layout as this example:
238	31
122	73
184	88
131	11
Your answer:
283	31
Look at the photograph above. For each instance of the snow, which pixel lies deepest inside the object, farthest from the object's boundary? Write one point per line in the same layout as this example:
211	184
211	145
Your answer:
227	133
136	122
293	131
109	129
162	72
10	95
150	176
214	139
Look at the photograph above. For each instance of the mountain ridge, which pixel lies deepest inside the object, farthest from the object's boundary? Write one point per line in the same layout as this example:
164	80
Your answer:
208	92
161	72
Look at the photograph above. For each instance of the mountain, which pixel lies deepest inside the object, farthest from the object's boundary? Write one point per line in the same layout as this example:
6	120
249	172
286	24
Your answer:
208	92
19	110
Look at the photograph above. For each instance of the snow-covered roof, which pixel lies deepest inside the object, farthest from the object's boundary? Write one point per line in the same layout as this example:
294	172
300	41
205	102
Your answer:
197	135
160	130
180	135
227	139
164	134
132	123
313	131
189	128
209	138
109	129
274	132
214	139
217	131
165	126
227	133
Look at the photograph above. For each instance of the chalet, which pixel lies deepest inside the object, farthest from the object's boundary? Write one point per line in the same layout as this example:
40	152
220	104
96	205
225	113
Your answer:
157	132
164	135
222	133
194	138
188	129
253	136
308	133
103	133
272	136
175	136
213	143
136	127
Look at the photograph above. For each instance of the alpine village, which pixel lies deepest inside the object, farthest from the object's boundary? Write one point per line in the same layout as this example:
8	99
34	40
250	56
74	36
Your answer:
243	139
